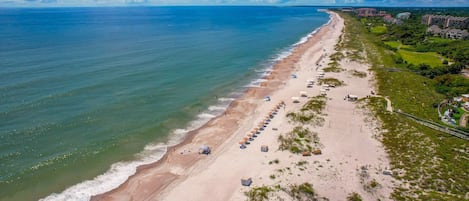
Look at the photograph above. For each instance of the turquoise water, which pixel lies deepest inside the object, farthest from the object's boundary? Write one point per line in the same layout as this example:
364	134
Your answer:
82	89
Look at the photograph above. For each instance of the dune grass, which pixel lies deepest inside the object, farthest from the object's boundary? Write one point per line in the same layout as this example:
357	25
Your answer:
331	82
299	140
310	112
357	73
299	192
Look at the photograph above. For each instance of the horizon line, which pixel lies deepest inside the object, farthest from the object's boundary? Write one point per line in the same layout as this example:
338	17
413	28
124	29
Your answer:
217	5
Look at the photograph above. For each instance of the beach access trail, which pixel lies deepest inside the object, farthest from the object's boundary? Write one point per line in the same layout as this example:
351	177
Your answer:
348	138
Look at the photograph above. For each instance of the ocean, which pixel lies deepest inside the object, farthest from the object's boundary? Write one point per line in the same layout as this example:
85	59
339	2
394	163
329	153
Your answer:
89	94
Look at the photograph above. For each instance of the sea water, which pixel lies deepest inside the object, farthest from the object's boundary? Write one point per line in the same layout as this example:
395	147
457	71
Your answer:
89	94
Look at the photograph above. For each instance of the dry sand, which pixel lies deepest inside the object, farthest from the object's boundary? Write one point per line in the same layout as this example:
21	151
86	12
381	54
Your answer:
346	136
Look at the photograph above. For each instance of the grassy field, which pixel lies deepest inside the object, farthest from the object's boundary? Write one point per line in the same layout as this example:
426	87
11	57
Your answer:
399	45
431	58
430	165
378	30
393	44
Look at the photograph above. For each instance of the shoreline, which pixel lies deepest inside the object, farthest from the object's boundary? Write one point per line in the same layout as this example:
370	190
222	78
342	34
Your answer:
182	157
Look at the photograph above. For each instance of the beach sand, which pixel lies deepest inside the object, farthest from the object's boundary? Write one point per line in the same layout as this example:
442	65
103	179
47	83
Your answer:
348	138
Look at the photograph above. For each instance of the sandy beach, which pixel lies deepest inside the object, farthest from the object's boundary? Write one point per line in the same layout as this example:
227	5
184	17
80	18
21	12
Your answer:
351	157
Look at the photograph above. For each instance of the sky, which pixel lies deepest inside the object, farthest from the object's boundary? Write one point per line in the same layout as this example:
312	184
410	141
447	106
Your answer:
403	3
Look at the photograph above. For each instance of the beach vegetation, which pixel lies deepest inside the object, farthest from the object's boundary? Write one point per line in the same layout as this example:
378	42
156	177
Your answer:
354	196
299	140
371	186
310	112
301	192
337	56
331	82
424	160
259	193
275	161
333	67
357	73
301	163
272	176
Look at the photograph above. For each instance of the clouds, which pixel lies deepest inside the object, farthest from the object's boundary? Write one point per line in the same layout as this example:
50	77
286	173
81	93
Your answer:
458	3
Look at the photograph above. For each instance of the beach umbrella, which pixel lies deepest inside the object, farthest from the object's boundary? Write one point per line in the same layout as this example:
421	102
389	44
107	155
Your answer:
241	142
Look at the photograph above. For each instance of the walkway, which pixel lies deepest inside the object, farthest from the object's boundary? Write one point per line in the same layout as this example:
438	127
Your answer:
449	130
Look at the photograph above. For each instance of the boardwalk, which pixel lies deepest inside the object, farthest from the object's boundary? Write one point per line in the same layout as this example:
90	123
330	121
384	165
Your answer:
451	131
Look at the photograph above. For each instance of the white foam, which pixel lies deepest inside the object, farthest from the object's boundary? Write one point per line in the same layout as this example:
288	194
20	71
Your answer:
116	175
216	108
305	38
226	99
180	131
206	116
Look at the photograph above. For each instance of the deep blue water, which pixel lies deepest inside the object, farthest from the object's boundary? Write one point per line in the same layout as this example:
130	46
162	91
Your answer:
84	88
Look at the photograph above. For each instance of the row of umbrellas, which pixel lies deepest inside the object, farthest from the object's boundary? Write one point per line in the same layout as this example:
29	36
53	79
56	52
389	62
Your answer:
261	126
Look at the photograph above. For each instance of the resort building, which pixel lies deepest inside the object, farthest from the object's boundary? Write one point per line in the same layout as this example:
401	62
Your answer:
457	22
446	21
390	20
366	12
434	30
456	34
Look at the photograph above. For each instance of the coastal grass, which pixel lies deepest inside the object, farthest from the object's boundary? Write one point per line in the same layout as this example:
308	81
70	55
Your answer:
354	196
299	192
357	73
299	140
333	67
303	191
334	82
431	58
310	112
429	164
259	193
